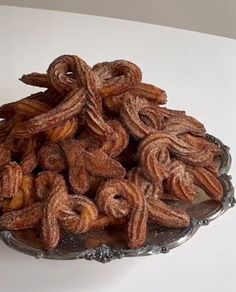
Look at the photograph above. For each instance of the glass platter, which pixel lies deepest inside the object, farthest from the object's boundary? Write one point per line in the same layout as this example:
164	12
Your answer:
108	244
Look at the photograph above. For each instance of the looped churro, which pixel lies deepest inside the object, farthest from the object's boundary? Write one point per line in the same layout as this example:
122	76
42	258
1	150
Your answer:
80	215
114	192
71	106
44	183
201	143
117	77
158	211
152	145
131	110
180	181
59	73
146	187
82	79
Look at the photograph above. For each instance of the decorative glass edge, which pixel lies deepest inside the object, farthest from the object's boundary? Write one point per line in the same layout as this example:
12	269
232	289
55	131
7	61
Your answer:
105	253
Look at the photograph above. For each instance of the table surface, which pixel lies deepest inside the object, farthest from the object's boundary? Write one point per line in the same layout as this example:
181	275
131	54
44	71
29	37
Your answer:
198	72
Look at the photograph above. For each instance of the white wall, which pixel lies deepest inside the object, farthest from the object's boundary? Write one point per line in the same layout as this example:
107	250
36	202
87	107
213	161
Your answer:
209	16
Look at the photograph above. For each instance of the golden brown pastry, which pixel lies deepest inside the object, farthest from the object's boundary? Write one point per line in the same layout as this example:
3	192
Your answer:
97	148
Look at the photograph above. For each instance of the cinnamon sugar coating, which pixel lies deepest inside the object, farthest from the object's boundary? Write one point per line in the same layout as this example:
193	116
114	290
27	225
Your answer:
97	148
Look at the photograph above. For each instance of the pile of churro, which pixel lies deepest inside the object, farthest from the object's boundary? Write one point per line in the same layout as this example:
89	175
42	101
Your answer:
98	148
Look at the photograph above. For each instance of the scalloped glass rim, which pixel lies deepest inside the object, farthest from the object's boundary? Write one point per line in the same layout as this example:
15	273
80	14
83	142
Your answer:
100	245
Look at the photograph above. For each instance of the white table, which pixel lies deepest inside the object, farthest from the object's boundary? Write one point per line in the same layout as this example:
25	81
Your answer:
198	72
